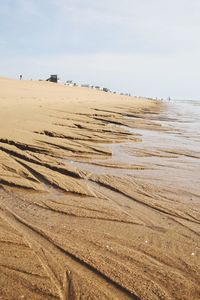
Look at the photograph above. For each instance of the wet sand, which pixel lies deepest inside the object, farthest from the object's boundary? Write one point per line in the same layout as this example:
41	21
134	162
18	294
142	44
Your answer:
99	195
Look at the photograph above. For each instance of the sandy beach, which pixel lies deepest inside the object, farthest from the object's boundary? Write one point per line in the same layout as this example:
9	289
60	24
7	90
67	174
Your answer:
99	196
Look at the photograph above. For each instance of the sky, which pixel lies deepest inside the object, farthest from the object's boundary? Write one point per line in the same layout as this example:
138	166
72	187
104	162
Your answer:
143	47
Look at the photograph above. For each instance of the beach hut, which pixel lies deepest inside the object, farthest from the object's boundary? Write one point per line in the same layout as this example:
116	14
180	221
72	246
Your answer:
53	78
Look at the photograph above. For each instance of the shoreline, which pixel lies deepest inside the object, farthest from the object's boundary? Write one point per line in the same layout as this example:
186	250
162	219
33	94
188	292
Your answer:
69	232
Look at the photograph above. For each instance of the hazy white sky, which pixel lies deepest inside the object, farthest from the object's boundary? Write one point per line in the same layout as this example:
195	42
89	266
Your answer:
146	47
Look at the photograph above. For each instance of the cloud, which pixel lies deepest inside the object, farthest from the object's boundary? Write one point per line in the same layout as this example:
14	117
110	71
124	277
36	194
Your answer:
147	47
131	26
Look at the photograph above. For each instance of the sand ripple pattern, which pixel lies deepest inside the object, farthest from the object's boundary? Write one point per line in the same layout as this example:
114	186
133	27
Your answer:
67	233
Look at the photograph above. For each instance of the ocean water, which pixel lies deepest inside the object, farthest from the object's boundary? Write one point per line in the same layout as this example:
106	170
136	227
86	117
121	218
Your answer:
172	155
186	116
182	119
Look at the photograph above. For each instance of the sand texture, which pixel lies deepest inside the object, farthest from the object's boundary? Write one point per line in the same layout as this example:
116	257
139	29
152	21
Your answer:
87	209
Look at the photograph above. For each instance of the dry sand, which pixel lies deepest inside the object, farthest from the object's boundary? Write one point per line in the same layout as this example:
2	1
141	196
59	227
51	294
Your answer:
72	232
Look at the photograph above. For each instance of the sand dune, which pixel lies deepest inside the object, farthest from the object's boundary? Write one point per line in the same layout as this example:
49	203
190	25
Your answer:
73	223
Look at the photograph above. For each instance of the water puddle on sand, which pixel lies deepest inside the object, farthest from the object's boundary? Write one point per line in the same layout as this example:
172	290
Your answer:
169	157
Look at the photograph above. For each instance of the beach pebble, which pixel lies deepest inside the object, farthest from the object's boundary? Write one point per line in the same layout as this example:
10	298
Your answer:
109	247
193	254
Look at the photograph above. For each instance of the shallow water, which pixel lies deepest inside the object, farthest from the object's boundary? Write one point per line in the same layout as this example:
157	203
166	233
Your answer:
184	116
170	157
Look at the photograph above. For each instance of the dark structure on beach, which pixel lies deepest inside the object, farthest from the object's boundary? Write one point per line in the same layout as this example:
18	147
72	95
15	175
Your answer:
53	78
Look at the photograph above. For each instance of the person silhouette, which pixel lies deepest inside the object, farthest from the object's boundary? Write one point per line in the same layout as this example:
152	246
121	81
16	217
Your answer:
20	77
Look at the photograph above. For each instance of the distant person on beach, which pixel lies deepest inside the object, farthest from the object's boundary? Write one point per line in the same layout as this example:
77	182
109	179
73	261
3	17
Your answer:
20	77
